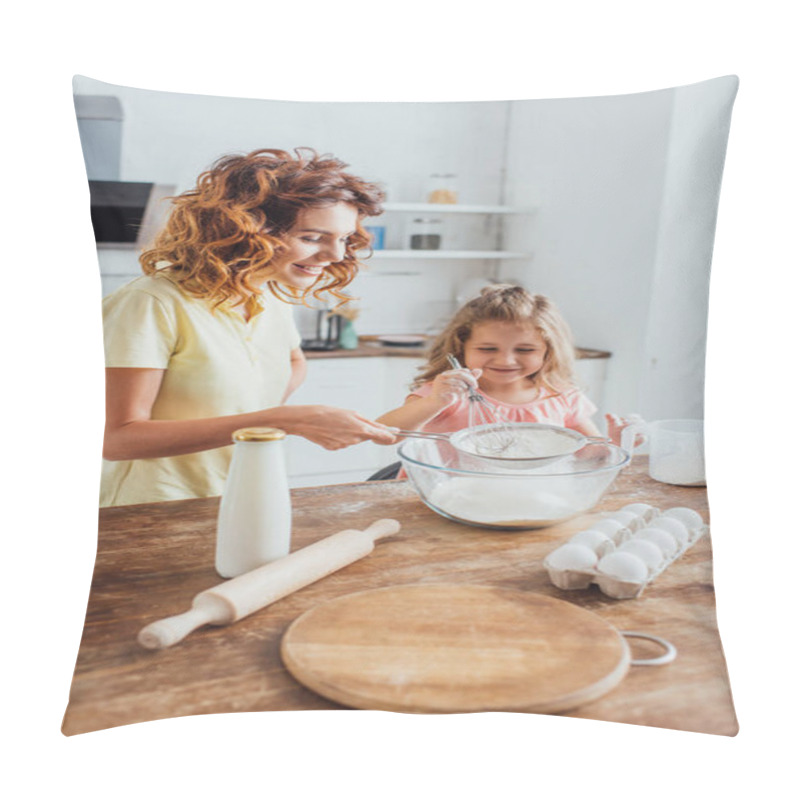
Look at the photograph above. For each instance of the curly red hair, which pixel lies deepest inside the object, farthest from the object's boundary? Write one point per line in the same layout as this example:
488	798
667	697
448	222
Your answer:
229	227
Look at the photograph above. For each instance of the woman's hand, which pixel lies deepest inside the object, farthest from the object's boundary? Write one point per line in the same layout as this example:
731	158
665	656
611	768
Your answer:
331	428
451	386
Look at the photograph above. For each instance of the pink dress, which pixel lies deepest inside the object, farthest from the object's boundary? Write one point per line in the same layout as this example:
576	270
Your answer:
561	409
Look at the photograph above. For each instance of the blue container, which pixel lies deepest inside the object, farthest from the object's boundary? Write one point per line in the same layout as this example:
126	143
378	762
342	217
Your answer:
377	234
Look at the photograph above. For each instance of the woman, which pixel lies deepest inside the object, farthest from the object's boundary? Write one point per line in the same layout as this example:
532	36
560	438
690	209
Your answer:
205	343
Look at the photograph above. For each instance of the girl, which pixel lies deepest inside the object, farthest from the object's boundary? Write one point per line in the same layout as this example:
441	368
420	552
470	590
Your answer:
517	351
204	343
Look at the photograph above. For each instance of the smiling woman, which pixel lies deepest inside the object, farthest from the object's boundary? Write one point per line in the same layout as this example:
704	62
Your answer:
318	239
204	342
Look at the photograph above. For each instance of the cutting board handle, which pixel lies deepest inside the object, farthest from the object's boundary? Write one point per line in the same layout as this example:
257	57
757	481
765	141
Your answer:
668	656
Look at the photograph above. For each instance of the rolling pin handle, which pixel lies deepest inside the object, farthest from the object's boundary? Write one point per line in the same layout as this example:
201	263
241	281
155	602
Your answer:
206	609
382	528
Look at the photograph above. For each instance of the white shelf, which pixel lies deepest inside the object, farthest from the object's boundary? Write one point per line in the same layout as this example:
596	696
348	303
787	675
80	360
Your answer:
454	208
438	254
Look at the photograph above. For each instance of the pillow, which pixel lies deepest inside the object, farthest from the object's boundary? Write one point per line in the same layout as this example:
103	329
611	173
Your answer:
607	205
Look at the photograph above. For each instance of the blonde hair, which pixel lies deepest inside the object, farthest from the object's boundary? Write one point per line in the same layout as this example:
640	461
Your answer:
507	303
230	226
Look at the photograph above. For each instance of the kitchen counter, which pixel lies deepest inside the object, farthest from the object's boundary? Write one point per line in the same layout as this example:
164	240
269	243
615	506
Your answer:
153	559
371	346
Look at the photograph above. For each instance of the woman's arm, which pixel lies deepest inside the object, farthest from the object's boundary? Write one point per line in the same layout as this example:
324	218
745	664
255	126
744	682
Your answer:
131	433
299	369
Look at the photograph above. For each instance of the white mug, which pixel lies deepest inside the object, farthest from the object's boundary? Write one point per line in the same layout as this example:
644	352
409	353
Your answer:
677	453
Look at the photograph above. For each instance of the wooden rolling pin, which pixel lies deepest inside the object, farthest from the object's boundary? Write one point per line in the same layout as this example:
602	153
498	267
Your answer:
240	596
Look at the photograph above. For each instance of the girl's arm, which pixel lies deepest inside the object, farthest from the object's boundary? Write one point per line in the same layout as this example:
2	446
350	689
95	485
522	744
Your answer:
414	413
447	388
586	426
131	433
615	425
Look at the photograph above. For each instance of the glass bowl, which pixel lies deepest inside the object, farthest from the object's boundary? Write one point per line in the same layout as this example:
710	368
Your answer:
468	490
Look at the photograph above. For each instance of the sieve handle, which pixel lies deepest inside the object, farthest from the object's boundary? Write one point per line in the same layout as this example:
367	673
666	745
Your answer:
422	434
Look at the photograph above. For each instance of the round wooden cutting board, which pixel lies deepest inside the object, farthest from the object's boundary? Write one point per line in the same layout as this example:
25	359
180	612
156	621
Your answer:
447	648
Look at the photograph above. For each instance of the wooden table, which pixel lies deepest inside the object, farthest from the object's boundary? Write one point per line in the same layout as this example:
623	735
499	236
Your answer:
152	559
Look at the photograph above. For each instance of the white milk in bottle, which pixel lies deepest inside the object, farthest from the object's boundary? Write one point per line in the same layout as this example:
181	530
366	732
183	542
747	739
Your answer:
254	525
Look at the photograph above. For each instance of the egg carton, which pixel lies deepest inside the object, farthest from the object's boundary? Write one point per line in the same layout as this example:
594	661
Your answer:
626	550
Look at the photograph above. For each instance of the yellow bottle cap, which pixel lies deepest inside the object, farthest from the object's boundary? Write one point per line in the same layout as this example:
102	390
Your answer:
258	434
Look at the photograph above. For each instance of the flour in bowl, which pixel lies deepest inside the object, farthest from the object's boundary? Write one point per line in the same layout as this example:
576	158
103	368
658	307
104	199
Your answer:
511	503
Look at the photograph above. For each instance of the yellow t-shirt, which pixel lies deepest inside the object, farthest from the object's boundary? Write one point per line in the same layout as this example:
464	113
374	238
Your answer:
217	364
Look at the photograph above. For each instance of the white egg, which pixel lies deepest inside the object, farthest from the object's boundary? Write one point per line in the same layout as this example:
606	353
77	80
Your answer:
674	527
660	537
642	510
630	520
648	551
572	556
688	516
596	540
612	528
624	567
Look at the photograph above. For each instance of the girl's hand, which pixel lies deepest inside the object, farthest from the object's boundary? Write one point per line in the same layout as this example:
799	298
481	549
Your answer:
334	428
451	386
616	425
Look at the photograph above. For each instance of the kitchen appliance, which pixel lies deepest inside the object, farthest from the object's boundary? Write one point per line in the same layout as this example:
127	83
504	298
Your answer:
458	648
127	214
329	329
100	119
